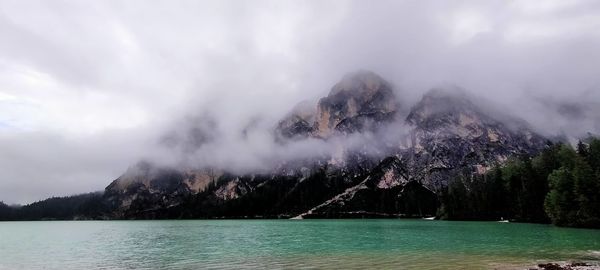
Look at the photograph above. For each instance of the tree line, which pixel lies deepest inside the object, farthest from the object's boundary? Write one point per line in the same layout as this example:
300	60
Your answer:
560	185
82	206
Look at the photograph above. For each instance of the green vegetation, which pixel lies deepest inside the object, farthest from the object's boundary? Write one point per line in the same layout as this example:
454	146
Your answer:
83	206
561	185
5	210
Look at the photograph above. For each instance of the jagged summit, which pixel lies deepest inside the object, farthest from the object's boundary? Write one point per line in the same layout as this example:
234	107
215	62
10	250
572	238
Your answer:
445	107
359	102
362	82
450	133
452	112
358	97
298	123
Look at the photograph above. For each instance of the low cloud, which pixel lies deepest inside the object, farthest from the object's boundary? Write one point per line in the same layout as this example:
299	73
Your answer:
89	88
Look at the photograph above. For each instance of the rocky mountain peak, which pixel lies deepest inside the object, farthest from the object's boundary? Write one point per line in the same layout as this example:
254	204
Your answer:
360	101
451	133
451	112
359	83
298	123
357	97
443	107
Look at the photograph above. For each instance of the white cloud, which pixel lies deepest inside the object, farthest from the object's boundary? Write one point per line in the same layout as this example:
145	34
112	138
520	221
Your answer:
468	23
87	87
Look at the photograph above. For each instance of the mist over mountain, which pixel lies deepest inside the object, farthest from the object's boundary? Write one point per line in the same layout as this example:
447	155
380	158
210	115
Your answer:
89	90
357	153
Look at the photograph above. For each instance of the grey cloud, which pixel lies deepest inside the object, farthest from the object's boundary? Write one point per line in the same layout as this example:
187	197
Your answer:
140	71
39	165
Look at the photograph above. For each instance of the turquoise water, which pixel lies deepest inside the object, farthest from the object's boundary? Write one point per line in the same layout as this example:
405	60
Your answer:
234	244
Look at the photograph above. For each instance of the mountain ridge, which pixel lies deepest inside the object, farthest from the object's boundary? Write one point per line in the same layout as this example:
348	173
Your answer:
373	157
445	134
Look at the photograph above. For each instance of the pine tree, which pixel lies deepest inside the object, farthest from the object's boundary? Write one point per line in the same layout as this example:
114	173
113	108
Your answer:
515	186
593	156
586	193
582	149
560	202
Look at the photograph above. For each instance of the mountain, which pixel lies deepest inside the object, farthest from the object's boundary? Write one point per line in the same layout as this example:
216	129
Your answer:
298	124
146	187
361	101
444	135
450	133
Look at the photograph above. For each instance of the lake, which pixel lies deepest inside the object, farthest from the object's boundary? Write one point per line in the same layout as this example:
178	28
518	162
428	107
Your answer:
249	244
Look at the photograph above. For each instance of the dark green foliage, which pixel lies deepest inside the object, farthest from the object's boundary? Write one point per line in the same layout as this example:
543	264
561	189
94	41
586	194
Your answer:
454	199
5	211
582	149
414	200
574	197
561	185
87	206
527	185
560	201
472	197
593	157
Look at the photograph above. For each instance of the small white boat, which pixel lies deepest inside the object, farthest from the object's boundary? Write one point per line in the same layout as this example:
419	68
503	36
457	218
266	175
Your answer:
429	218
503	220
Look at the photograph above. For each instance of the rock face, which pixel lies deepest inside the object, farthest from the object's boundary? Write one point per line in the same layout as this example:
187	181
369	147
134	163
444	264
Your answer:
298	124
450	133
385	192
444	134
145	187
362	101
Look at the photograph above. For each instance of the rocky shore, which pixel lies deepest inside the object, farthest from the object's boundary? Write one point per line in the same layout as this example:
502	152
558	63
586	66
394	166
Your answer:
567	266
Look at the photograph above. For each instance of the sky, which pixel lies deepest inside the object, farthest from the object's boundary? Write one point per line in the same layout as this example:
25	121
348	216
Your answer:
88	88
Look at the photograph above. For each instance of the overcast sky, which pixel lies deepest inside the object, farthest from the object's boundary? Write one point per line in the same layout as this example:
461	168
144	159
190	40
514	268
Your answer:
87	87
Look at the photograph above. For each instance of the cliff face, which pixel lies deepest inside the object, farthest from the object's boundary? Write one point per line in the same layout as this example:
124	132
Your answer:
449	133
361	101
357	103
444	134
298	124
145	187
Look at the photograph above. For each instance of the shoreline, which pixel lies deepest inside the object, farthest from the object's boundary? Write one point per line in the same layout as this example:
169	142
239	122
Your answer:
575	265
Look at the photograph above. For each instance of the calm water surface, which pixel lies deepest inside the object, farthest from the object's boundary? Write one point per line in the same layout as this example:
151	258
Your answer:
309	244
